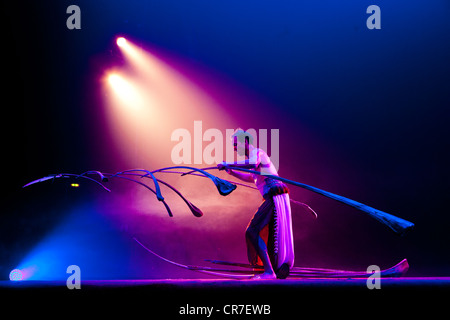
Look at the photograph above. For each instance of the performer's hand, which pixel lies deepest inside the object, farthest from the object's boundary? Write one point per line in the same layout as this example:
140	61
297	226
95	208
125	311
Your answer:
221	166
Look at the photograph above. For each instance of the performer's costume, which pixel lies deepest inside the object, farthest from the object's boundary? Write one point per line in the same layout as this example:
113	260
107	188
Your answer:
274	224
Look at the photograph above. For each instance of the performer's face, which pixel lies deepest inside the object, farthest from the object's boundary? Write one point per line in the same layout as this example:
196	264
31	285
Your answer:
239	147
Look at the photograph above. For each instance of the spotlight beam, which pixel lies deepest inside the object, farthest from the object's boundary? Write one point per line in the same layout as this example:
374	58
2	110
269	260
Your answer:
121	42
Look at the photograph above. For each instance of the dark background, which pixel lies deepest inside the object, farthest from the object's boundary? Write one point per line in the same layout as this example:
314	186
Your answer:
362	113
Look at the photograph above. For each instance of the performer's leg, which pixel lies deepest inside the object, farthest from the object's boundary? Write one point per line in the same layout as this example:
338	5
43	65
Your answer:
256	245
261	249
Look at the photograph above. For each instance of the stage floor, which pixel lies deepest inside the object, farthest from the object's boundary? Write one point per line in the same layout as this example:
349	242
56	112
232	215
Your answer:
227	284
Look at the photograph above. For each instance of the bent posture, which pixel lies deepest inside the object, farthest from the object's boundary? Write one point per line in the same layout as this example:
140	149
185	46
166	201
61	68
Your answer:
269	234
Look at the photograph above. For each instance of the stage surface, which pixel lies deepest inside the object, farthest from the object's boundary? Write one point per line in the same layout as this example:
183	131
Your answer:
242	285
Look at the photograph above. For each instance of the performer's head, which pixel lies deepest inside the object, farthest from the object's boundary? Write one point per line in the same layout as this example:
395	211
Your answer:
242	141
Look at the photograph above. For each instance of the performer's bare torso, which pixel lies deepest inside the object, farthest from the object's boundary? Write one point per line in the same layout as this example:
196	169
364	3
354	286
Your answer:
257	160
263	165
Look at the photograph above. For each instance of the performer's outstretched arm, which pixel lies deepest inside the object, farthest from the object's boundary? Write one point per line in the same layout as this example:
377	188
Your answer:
247	177
251	163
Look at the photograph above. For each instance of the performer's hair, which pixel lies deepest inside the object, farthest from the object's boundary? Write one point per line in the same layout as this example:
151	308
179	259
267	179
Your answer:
242	136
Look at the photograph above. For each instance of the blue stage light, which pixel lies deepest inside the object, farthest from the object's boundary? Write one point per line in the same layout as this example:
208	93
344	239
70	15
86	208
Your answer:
16	275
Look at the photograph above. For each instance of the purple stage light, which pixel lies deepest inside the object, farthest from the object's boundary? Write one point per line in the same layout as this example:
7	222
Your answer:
16	275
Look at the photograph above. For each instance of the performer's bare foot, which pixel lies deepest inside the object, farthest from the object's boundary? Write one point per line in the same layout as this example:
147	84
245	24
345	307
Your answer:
265	276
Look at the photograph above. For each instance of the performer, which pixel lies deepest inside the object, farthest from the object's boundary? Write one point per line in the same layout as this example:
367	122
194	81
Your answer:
269	234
